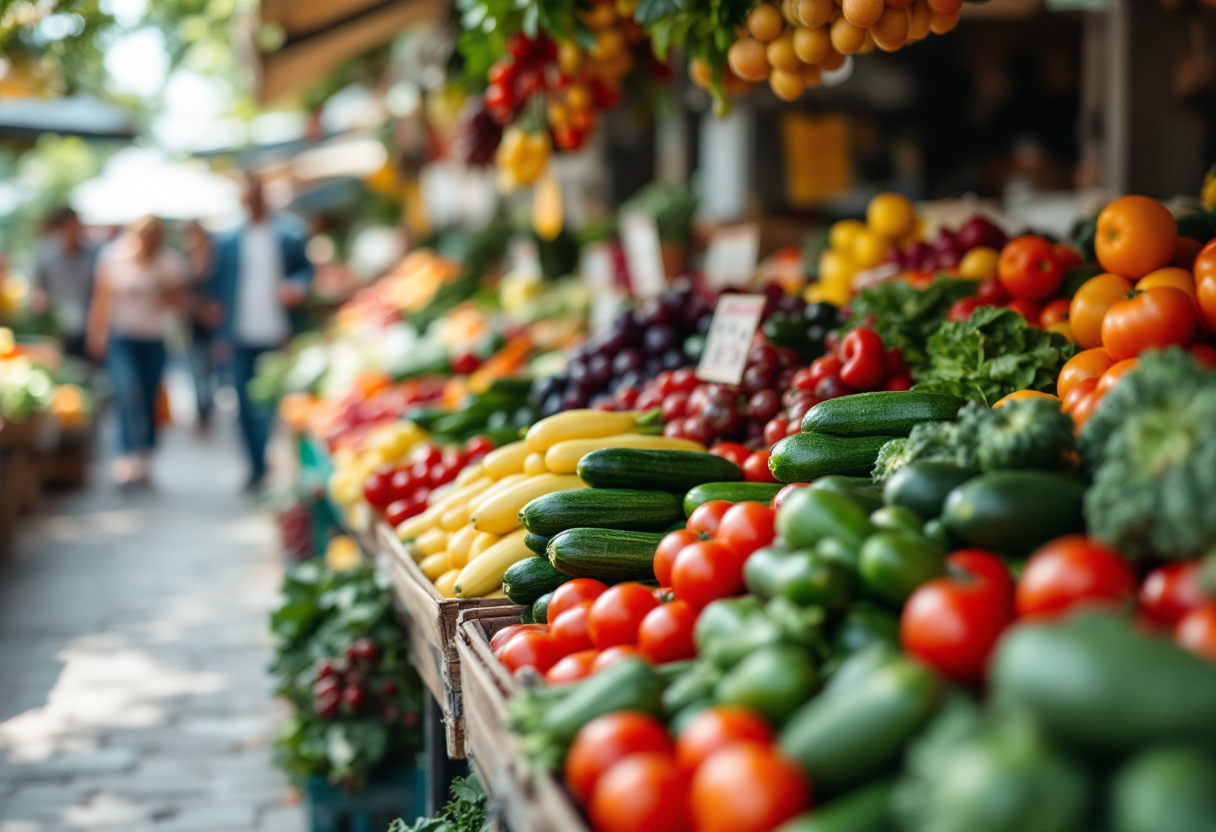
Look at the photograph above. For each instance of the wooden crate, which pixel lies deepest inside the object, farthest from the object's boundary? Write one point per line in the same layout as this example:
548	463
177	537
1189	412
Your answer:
528	799
431	620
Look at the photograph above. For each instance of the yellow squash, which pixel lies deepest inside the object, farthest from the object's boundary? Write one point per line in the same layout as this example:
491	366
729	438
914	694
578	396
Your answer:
577	424
500	513
483	575
563	458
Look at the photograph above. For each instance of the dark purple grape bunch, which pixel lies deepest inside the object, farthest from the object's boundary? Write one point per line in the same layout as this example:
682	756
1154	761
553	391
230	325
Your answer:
477	135
609	370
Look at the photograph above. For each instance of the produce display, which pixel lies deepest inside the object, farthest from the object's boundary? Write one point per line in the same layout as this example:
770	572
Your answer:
943	559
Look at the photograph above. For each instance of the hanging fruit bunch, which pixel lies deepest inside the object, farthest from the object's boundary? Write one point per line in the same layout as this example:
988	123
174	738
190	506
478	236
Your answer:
551	69
792	43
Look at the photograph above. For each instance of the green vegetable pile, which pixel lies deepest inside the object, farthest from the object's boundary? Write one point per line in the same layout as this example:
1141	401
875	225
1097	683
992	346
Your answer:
25	389
906	317
324	613
1151	447
1023	434
467	811
992	354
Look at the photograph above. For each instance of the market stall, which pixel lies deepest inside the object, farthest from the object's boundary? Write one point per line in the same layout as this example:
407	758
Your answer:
905	527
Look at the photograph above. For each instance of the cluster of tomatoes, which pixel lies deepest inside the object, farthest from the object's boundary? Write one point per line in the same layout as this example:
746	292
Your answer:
1029	275
401	491
363	409
346	687
592	625
953	623
723	772
1143	301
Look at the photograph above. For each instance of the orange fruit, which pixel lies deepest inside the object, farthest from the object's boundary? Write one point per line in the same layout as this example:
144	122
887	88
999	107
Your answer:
1136	235
1089	306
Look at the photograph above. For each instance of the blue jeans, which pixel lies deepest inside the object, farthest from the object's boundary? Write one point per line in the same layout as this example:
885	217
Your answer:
255	418
135	368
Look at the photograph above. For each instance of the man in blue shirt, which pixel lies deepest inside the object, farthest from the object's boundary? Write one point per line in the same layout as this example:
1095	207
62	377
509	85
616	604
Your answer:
261	275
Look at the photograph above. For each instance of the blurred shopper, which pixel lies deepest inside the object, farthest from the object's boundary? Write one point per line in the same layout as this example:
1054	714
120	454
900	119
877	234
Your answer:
261	275
63	278
205	315
140	285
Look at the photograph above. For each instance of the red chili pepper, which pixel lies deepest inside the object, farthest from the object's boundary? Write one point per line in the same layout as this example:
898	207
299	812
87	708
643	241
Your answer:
864	363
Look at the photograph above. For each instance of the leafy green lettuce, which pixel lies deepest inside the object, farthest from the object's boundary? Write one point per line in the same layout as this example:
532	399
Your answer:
992	354
906	317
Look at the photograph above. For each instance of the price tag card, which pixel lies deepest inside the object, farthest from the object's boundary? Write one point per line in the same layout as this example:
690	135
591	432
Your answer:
731	257
647	277
595	263
523	256
730	338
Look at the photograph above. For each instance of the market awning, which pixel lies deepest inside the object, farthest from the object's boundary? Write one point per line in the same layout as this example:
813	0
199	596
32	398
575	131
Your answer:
77	115
319	35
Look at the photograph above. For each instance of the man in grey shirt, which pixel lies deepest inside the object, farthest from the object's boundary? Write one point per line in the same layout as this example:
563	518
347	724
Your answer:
63	278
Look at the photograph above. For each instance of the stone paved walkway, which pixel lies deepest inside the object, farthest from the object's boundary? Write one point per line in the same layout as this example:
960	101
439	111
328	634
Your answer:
133	647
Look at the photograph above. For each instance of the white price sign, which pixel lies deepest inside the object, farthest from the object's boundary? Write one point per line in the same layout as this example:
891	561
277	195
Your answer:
524	256
730	338
731	257
644	255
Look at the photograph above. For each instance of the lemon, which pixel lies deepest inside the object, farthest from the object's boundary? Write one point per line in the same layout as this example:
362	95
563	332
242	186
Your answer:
891	215
979	263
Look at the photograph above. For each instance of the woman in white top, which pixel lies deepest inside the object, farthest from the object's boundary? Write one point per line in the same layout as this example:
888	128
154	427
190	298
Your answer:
140	286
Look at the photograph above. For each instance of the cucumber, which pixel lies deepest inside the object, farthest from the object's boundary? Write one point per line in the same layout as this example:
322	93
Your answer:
601	508
880	413
858	728
675	471
628	685
732	492
528	579
807	456
1014	512
1167	788
924	486
525	617
537	543
861	490
865	809
540	608
605	554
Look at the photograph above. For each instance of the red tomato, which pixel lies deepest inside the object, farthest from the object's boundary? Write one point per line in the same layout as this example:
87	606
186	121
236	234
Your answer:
1085	407
507	633
1028	309
747	787
1054	311
746	527
992	293
952	624
477	447
705	572
1079	391
665	555
605	741
1068	256
615	654
572	668
1204	354
961	309
755	469
1070	571
825	366
716	727
530	649
1170	592
783	495
733	451
573	593
1108	380
398	511
1159	317
642	793
864	362
616	615
569	630
1197	632
665	634
705	518
1029	268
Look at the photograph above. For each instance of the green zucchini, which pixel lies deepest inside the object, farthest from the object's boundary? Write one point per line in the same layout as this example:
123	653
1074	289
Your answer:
807	456
880	414
924	486
604	554
1014	512
538	543
525	616
861	490
528	579
858	727
865	809
540	608
601	508
675	471
732	492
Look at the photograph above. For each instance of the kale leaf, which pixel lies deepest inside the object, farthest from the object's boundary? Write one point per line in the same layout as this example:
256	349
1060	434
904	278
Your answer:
906	317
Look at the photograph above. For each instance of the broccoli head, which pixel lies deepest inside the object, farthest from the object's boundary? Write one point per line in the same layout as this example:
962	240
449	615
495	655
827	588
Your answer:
1151	446
1029	433
891	457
